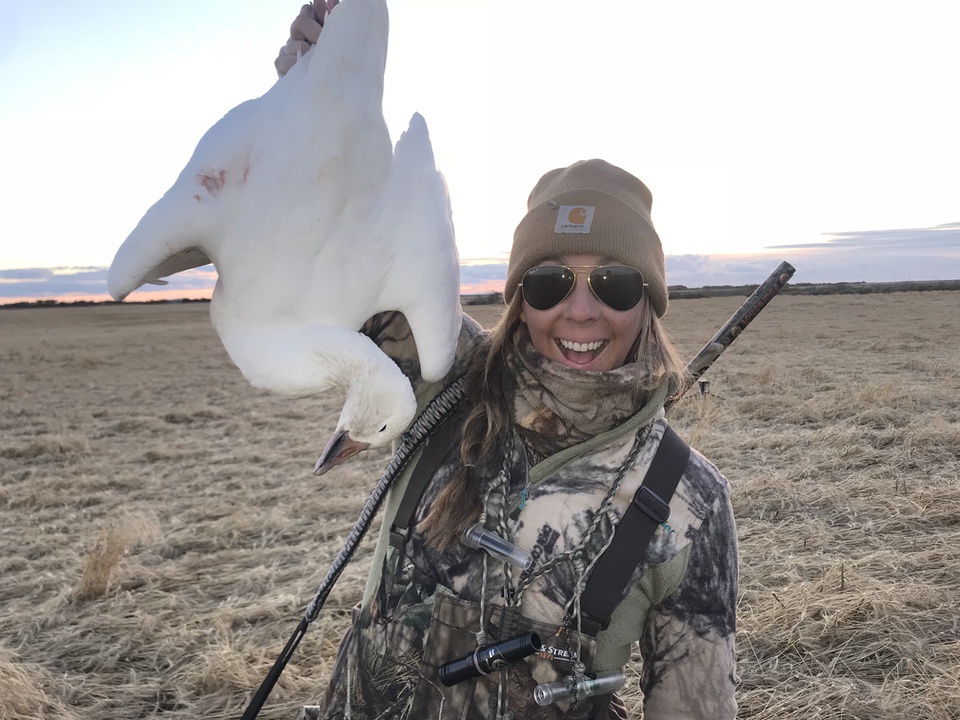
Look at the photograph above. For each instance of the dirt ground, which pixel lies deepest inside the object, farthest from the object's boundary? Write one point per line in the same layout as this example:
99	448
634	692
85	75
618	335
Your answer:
161	531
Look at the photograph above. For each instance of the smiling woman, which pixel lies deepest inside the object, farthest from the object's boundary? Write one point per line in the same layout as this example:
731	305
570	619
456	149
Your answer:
579	329
562	432
590	268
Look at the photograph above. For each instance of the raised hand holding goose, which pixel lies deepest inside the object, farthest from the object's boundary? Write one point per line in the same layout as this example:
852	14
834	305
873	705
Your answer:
314	228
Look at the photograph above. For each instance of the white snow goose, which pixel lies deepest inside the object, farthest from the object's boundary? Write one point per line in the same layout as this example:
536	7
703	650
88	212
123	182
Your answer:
314	224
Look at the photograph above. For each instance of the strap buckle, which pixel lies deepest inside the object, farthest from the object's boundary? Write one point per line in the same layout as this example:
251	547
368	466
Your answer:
652	505
398	537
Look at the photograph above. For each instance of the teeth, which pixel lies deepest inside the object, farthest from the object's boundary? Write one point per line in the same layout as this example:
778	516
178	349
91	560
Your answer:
581	347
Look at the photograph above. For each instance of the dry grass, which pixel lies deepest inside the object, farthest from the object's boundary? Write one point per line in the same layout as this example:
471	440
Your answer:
23	692
113	540
161	532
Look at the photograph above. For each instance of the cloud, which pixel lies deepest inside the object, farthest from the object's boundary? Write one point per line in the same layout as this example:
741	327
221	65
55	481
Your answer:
25	274
699	270
47	282
88	282
683	264
869	255
931	253
481	273
482	277
917	240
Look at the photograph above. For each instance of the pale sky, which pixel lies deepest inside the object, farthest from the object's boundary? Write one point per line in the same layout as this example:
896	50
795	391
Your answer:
755	124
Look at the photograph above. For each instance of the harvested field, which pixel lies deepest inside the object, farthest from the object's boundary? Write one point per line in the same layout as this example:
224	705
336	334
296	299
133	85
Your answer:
161	531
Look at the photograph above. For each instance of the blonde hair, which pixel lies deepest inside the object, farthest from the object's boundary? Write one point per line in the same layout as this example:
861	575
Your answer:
458	505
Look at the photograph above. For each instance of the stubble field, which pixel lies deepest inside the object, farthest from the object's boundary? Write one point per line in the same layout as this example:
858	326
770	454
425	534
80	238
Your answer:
161	531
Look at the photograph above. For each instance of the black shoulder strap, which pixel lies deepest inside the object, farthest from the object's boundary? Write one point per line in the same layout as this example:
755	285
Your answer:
438	446
648	510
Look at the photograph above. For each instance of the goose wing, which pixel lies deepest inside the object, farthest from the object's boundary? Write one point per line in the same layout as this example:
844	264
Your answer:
422	278
309	215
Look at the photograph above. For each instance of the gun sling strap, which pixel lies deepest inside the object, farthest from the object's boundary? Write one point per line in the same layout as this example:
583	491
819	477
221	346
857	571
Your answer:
649	509
438	446
611	576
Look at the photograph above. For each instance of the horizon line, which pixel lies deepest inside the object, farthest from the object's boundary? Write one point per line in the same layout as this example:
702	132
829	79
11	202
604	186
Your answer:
146	297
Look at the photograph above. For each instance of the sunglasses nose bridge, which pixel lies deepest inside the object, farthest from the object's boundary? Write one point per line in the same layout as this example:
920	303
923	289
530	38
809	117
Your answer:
586	271
589	272
582	301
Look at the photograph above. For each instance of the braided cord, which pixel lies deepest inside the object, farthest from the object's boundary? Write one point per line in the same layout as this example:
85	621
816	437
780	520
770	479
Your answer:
603	511
482	638
410	441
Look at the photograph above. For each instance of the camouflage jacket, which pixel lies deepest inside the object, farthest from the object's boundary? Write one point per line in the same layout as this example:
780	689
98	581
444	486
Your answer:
423	608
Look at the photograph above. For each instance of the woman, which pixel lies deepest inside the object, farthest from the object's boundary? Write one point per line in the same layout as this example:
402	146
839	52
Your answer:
549	452
563	419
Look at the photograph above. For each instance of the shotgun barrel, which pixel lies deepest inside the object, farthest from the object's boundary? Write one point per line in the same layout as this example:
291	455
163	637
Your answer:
767	290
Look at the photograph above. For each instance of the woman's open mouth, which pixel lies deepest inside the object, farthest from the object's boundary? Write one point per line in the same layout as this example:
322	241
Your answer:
580	353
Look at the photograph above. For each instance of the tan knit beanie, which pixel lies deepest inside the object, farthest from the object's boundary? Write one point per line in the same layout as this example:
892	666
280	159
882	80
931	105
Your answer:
590	208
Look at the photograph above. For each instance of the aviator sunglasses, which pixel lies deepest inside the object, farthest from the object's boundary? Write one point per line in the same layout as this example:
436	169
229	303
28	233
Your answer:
616	286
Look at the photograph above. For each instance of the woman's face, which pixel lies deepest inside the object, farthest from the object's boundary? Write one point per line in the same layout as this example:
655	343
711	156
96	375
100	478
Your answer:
581	332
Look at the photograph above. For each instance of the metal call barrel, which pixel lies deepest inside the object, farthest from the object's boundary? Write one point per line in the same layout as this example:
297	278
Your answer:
484	660
479	538
572	688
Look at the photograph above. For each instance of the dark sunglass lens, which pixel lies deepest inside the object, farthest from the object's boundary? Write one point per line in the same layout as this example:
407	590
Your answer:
616	286
547	286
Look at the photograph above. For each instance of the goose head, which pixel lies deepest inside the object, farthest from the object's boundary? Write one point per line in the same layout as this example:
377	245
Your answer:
379	406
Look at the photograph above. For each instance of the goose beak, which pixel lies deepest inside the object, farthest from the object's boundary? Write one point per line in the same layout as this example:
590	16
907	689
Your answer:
341	447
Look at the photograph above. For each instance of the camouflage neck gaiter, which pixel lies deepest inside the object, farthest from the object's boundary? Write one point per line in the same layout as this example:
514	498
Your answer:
556	407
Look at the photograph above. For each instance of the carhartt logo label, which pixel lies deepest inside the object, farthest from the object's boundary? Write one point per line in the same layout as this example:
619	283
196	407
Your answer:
574	219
